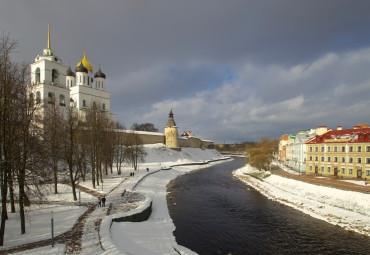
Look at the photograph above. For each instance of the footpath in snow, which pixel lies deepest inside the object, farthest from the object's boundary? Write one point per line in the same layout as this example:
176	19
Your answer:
347	209
100	234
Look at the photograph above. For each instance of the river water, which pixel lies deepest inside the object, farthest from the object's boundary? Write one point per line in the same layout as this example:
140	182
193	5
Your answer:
215	213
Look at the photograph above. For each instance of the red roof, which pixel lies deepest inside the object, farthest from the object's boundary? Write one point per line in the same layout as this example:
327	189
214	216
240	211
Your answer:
339	136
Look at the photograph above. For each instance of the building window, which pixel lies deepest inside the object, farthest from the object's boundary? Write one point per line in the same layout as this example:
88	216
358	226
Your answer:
359	160
361	137
84	103
367	160
316	158
38	97
359	148
329	149
316	149
335	149
62	100
322	158
88	80
310	148
350	171
50	98
37	74
103	106
350	148
54	75
335	159
350	160
322	169
368	148
343	159
328	169
310	158
322	149
329	159
343	170
310	168
343	148
367	172
84	80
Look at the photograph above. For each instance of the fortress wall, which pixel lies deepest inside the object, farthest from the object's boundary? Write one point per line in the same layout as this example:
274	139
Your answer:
154	137
146	137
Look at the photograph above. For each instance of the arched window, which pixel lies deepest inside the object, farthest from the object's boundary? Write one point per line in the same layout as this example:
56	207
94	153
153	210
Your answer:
50	98
88	80
84	80
31	100
102	85
54	75
84	103
37	75
62	100
38	97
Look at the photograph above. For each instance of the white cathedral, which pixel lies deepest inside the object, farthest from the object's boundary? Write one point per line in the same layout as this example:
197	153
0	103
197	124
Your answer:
54	83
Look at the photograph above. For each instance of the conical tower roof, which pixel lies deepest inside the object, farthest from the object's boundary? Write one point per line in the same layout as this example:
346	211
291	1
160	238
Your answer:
171	121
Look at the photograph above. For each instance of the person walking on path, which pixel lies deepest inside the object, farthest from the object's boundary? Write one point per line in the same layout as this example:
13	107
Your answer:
99	201
103	201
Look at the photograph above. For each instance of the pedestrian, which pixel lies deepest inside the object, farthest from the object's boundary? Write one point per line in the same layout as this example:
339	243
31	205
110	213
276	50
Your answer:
99	201
103	201
147	169
131	174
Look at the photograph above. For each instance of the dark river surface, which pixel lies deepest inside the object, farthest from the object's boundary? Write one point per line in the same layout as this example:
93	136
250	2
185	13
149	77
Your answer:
215	213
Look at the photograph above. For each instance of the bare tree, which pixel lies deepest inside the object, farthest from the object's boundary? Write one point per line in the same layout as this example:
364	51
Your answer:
144	127
17	132
52	138
71	148
134	151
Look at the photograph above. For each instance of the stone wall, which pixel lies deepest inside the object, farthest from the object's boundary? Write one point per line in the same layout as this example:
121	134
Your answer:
155	137
146	137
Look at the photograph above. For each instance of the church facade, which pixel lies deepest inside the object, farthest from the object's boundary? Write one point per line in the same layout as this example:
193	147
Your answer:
53	83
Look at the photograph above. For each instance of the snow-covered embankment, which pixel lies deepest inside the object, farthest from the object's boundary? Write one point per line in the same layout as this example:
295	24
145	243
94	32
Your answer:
347	209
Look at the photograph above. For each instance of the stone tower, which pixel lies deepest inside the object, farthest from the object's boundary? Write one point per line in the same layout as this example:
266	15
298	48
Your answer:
171	132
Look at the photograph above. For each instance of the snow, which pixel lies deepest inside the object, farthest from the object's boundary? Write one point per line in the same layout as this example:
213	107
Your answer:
150	237
350	210
347	209
38	223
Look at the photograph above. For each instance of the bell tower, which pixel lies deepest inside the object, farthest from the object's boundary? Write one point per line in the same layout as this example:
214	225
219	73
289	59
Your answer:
48	80
171	132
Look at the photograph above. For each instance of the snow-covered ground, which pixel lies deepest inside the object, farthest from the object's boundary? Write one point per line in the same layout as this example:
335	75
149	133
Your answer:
133	238
347	209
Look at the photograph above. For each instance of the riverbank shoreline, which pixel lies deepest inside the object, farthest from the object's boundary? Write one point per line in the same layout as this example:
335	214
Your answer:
349	210
156	233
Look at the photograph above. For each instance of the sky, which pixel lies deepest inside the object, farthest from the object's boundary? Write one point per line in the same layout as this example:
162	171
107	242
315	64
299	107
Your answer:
232	71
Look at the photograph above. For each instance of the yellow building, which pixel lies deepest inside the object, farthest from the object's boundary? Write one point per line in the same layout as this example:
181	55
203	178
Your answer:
342	153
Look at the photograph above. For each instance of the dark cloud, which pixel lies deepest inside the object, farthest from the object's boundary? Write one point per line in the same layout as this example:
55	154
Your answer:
233	70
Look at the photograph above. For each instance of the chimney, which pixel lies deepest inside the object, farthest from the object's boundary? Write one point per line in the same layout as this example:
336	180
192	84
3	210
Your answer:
322	130
339	128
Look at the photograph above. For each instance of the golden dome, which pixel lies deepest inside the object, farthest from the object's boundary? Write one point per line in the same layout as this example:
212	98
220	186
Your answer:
86	63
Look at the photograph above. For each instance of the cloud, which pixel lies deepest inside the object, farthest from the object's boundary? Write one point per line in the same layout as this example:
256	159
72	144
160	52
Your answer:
231	70
323	92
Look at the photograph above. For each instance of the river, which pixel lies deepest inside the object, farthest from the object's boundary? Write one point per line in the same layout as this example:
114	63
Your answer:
215	213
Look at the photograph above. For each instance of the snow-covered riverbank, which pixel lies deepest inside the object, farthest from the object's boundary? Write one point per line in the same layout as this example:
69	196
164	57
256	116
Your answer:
153	236
347	209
